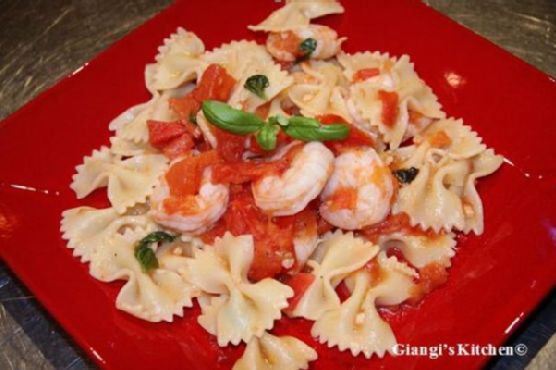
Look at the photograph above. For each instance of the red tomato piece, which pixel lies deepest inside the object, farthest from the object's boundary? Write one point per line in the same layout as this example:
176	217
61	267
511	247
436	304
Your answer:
185	107
215	84
179	146
161	133
365	73
240	172
390	107
299	283
357	137
229	146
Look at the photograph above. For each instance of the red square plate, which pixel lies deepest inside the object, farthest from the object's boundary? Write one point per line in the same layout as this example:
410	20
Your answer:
496	279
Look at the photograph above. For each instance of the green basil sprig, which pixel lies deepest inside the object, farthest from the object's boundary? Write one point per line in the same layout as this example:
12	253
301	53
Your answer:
267	136
257	84
230	119
244	123
308	46
145	255
309	129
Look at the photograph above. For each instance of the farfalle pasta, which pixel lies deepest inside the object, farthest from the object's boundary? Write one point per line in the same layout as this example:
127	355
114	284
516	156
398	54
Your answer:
270	352
278	180
238	310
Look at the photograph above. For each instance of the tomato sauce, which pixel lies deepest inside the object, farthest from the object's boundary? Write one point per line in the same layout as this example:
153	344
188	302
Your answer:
356	138
365	73
390	108
395	223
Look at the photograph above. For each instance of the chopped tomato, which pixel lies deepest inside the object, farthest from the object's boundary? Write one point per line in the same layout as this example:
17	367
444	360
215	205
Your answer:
415	117
323	226
395	223
240	172
377	274
365	73
229	146
287	41
161	133
431	277
357	137
178	146
343	198
185	107
440	140
184	177
262	110
273	243
390	107
215	84
299	283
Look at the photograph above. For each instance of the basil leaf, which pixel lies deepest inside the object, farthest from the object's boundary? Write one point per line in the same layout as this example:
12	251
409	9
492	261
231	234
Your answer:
303	121
407	175
278	120
266	137
321	133
256	84
307	46
145	255
230	119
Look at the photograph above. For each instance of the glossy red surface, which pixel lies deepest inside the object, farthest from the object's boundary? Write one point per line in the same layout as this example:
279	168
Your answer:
496	279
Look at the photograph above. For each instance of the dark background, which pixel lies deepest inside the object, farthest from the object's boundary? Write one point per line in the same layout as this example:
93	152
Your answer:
41	41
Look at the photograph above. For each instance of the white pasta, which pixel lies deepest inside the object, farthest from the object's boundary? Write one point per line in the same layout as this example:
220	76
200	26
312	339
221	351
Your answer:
356	324
443	194
341	255
238	56
313	88
239	310
297	13
86	228
126	148
155	296
246	100
399	77
421	250
129	181
270	352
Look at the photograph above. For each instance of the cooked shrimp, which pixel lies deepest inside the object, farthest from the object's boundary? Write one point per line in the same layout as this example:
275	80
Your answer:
304	244
359	190
291	191
286	46
191	214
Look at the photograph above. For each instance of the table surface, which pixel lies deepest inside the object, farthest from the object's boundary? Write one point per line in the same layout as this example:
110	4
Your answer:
43	40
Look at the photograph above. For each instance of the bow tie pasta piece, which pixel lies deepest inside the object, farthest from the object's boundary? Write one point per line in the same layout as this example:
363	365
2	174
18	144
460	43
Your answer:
443	194
421	250
238	56
129	181
246	100
297	13
341	254
238	309
86	228
312	88
356	324
270	352
451	135
390	99
178	61
484	164
155	296
380	63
